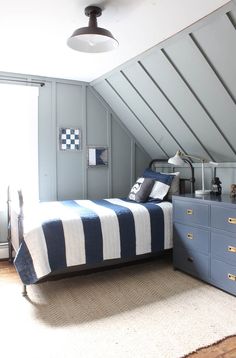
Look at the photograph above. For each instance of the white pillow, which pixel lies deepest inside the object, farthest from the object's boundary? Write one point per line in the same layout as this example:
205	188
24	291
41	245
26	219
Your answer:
159	190
174	187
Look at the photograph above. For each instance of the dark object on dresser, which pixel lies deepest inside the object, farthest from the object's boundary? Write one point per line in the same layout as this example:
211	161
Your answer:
233	191
216	187
205	240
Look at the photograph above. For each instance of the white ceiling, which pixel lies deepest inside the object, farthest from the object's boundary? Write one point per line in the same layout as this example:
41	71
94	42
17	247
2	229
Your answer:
33	33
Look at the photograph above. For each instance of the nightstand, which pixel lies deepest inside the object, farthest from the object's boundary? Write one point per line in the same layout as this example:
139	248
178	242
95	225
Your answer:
205	238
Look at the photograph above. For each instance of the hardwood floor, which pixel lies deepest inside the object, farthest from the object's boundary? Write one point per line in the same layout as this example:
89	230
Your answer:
225	348
8	272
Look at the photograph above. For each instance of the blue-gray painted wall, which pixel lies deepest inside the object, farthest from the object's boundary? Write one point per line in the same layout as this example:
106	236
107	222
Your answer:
181	94
65	174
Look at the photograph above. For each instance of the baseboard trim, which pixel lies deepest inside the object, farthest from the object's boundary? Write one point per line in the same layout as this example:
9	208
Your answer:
4	254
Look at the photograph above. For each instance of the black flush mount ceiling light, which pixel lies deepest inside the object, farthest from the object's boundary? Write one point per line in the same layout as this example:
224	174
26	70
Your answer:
92	38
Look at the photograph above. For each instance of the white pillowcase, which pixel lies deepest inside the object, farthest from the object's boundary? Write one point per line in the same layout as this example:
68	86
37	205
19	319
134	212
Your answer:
174	187
159	190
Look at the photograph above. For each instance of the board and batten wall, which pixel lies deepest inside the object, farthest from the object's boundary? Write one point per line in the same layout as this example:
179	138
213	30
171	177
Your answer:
181	94
65	174
225	171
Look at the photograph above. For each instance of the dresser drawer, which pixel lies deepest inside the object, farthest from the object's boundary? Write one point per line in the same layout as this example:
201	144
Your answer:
224	247
223	275
223	218
191	213
191	238
192	262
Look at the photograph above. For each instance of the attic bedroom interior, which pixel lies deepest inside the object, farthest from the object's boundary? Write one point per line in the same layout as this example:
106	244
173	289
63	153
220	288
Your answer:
118	180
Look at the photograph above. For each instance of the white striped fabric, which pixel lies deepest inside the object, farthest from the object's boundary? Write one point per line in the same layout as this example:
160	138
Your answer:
110	229
36	245
168	227
142	224
74	236
35	239
73	232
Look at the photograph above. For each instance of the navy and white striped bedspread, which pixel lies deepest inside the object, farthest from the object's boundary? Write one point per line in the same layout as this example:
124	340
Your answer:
68	233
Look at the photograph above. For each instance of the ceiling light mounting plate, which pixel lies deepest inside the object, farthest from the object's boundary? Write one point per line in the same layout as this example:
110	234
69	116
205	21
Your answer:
93	10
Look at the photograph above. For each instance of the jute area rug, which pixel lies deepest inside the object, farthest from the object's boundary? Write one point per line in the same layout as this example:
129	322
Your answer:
145	310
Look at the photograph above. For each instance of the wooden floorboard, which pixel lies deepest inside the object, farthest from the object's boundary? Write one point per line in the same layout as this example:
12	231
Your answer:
225	348
8	271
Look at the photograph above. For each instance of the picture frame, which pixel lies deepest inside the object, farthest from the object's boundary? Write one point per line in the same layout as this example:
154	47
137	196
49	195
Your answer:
69	139
98	156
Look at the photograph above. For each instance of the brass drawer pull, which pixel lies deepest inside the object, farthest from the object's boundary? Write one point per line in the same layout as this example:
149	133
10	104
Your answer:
232	220
189	212
190	236
231	277
232	249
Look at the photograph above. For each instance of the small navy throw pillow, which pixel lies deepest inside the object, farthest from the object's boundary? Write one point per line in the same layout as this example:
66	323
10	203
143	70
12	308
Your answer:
141	190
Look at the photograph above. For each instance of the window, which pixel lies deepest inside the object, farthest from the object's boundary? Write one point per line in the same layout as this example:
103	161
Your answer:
18	142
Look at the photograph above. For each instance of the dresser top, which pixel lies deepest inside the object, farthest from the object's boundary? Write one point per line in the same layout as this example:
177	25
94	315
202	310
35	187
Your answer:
224	198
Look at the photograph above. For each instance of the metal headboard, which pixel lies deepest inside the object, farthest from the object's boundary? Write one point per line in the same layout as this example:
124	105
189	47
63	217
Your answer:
182	180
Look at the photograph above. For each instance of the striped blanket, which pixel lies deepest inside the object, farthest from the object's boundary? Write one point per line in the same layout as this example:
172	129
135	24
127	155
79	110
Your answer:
68	233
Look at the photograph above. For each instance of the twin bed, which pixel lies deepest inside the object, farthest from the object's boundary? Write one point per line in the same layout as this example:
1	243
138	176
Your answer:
51	238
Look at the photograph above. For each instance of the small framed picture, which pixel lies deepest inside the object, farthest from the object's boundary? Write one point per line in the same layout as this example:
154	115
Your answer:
97	156
69	139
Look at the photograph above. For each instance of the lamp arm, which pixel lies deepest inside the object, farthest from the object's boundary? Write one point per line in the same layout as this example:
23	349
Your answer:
192	179
203	178
193	157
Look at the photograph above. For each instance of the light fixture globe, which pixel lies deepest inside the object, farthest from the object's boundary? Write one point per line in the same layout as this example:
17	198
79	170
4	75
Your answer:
92	39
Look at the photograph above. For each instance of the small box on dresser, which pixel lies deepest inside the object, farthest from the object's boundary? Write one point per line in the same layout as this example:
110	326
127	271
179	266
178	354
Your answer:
205	238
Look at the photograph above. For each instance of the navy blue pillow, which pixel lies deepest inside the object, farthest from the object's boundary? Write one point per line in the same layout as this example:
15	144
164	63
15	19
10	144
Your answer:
161	185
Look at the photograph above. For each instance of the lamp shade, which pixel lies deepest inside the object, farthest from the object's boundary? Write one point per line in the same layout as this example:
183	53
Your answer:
87	40
176	160
92	38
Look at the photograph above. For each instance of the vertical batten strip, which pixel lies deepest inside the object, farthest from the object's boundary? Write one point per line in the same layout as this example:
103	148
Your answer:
231	19
84	141
220	79
199	101
152	110
130	109
54	137
109	141
121	124
175	109
133	162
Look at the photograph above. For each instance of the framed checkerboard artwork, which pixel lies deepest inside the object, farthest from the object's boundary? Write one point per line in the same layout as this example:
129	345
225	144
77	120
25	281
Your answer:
97	156
69	139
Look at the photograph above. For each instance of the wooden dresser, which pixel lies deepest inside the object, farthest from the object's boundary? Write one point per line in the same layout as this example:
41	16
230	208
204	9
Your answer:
205	238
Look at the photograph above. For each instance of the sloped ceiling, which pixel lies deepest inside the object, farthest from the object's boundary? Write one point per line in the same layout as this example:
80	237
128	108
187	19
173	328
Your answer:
182	93
33	33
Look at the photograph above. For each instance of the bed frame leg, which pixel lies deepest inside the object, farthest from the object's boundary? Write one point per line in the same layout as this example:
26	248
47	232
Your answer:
10	252
24	292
